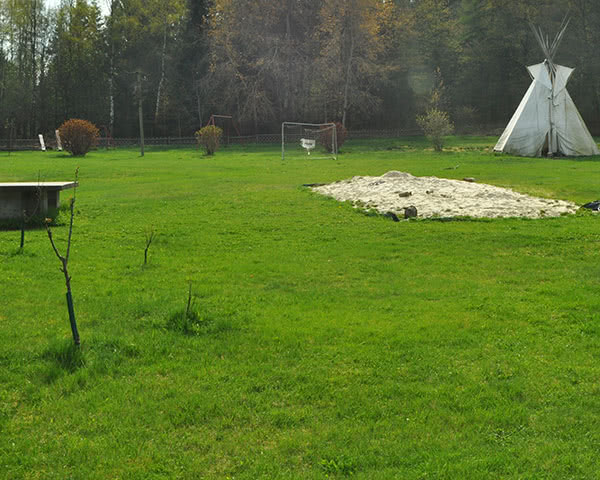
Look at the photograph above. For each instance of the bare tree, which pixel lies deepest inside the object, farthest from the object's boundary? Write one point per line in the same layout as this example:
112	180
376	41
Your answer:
348	64
64	260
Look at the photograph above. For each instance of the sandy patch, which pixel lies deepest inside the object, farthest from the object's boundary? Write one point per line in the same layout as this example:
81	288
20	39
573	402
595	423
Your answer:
438	197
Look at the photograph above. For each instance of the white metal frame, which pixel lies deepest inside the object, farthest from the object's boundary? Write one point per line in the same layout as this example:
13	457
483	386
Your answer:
331	124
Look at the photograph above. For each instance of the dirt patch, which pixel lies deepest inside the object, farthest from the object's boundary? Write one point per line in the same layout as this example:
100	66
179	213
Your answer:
439	197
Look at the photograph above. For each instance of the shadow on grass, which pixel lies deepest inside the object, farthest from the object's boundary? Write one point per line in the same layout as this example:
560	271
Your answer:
91	359
19	252
65	355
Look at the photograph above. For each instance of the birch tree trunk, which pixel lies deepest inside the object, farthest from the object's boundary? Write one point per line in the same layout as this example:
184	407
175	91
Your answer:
33	40
347	81
288	74
111	92
162	74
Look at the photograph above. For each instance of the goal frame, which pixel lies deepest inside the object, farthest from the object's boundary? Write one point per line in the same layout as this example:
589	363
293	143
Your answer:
334	152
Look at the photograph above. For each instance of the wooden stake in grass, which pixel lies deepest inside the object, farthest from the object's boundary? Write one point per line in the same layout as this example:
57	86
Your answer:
149	237
189	302
64	260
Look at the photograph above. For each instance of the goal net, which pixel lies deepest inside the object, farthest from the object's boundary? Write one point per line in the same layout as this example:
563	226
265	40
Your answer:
308	140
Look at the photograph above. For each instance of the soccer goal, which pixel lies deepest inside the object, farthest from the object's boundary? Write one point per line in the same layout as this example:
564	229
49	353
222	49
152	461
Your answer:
308	140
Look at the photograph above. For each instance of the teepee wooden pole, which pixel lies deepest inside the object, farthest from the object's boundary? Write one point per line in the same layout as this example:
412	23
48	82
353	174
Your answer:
549	50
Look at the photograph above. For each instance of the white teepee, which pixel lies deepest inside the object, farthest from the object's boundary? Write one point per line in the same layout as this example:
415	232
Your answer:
547	120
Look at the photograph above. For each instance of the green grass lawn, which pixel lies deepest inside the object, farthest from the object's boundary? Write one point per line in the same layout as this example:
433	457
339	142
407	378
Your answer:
329	343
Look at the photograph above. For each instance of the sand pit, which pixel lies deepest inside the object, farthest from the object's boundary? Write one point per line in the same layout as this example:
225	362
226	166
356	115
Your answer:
438	197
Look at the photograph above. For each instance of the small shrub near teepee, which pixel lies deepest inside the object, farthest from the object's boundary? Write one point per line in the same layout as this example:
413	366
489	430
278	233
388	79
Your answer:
325	138
78	136
436	125
209	137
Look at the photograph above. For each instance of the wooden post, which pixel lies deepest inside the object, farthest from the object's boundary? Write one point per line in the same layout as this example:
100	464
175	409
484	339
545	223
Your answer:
72	320
23	216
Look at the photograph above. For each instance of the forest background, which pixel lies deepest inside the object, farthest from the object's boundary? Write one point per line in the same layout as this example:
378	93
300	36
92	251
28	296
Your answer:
371	64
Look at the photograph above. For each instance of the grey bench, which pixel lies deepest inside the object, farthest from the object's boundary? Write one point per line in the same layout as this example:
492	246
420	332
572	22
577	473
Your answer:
17	197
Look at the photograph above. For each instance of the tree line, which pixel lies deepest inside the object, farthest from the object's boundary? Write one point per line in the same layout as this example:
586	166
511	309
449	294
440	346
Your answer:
371	64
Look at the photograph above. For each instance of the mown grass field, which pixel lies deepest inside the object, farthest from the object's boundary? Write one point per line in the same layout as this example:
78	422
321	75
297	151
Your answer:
330	343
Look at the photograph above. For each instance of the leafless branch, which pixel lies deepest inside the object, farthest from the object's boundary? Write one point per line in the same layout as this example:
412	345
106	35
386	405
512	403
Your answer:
49	231
72	208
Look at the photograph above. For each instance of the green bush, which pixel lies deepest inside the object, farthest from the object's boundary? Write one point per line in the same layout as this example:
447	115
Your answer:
209	137
436	125
78	136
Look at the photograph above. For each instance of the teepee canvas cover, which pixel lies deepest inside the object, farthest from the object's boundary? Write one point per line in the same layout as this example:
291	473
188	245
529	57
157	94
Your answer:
547	120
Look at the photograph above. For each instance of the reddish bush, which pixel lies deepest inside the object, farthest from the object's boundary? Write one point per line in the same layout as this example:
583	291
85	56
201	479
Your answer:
325	137
78	136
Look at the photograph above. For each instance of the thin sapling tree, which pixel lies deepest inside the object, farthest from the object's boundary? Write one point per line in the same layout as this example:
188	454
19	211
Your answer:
64	260
150	236
436	123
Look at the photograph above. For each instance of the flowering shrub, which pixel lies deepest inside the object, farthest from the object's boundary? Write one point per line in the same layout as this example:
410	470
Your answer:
78	136
209	137
436	125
